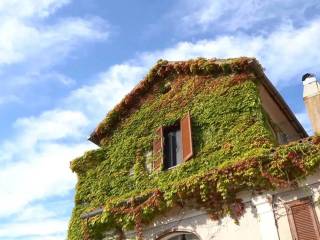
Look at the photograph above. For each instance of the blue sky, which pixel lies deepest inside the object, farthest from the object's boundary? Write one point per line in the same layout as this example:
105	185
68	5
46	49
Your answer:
65	63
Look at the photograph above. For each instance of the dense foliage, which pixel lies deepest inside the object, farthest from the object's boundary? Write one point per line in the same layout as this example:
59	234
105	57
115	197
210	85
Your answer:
234	150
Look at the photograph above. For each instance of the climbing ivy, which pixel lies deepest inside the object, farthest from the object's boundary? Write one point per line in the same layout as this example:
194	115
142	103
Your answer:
234	149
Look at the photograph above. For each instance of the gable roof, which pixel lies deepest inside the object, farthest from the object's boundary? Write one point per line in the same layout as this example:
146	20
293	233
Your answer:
199	66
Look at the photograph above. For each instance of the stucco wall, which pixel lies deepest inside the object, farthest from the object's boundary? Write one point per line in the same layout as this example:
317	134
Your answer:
198	222
265	217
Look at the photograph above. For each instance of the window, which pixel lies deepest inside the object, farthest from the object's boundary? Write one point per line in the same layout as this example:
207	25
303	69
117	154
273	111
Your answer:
281	137
173	144
303	220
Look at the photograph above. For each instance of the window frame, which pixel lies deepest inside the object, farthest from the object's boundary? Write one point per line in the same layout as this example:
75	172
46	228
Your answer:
166	131
185	127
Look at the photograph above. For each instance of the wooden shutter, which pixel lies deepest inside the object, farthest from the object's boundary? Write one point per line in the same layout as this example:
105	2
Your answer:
158	150
303	220
186	135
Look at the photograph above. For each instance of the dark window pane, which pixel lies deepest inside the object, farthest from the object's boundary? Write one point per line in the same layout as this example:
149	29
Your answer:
172	146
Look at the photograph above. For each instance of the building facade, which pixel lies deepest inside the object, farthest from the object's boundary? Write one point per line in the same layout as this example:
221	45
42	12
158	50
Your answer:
200	149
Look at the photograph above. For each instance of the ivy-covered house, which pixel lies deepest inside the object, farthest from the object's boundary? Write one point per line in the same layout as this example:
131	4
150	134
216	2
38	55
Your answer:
200	149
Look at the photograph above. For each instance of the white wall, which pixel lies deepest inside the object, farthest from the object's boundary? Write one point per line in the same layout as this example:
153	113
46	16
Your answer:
264	219
199	222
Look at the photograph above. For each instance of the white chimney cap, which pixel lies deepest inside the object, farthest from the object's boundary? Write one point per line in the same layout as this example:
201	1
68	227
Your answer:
311	97
311	86
308	78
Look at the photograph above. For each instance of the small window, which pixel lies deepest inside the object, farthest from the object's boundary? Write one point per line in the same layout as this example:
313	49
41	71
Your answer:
172	144
282	137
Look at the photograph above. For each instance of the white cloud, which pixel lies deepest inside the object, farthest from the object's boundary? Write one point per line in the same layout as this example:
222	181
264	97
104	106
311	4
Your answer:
36	161
40	77
34	213
50	125
38	229
48	237
38	174
45	45
30	8
109	88
30	45
286	53
231	15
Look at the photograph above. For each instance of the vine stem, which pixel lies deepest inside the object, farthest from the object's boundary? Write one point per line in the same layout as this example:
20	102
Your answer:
138	224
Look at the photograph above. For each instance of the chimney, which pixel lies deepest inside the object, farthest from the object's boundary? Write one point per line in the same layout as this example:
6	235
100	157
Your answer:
311	97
